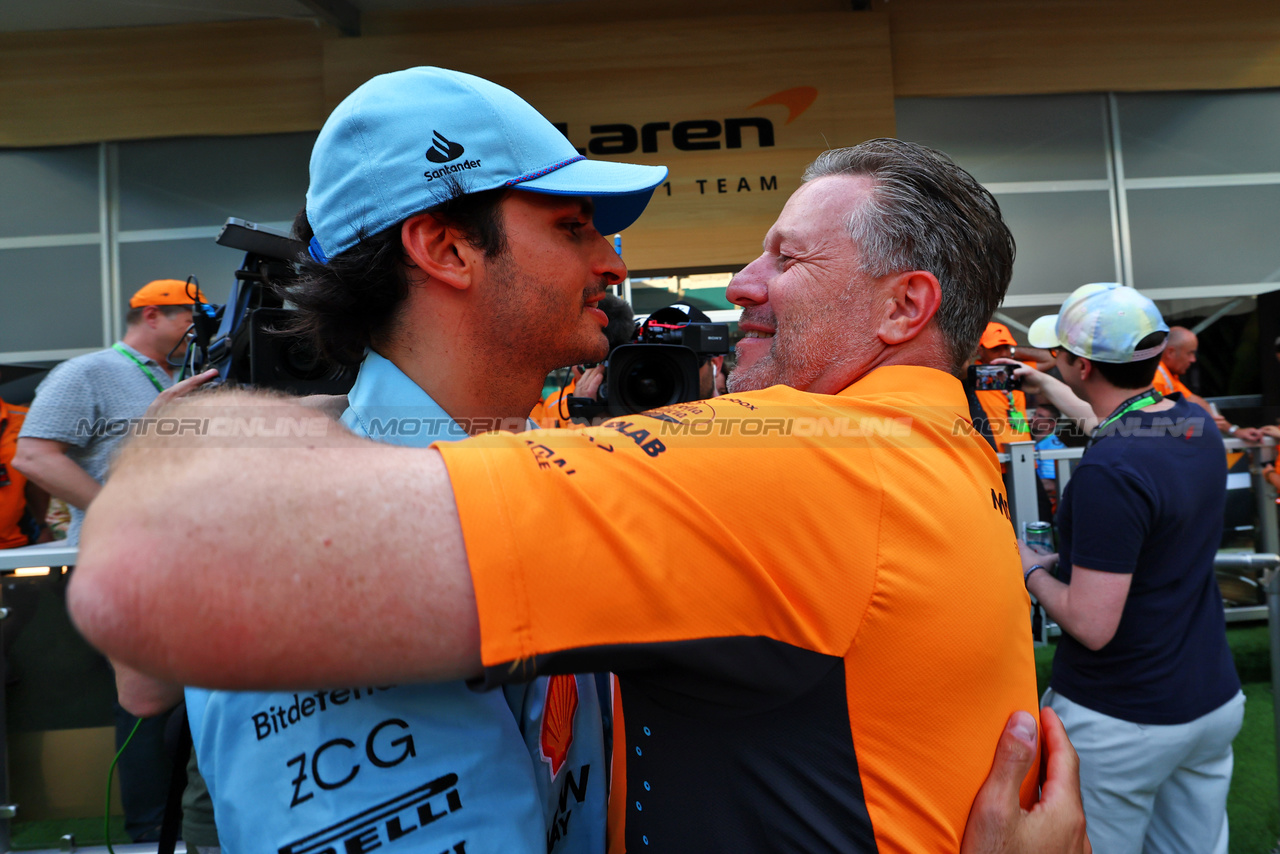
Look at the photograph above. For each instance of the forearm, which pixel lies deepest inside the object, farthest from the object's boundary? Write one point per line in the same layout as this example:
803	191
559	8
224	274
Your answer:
57	475
37	500
1061	396
1077	615
144	695
270	550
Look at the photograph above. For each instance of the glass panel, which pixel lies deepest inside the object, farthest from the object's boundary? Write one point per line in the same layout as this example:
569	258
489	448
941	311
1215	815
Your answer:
1064	240
176	183
1199	133
702	290
213	266
49	191
1005	139
52	298
1204	236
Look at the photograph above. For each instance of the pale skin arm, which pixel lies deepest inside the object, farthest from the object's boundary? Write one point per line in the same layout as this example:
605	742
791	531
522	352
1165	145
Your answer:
146	696
1058	393
311	562
45	463
1088	608
143	695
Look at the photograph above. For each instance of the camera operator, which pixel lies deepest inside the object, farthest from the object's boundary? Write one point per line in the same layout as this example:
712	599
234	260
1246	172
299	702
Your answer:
78	420
709	366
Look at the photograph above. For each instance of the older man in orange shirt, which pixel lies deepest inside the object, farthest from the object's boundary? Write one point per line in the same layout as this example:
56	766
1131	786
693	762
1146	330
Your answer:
1178	357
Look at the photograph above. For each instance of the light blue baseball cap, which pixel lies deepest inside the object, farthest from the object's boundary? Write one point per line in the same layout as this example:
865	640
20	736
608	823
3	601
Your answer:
385	152
1104	322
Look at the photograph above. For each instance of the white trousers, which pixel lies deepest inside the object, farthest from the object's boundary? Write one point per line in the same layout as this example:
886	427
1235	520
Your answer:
1153	789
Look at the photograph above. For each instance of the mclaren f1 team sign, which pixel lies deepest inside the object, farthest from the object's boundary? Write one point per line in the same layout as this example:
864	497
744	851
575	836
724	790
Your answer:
734	108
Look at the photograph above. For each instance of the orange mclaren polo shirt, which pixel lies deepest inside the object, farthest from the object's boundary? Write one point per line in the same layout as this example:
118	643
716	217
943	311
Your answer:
1166	383
553	410
812	603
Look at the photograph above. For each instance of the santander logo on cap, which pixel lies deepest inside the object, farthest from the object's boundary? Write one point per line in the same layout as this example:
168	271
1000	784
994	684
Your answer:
443	150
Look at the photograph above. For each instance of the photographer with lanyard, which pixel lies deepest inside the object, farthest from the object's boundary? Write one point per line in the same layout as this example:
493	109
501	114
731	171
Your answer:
1143	679
77	422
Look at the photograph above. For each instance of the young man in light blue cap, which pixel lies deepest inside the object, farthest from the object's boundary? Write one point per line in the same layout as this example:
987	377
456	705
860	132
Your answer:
457	256
1143	678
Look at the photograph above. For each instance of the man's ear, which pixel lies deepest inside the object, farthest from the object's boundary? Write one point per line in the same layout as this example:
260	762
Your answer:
914	299
439	250
1081	367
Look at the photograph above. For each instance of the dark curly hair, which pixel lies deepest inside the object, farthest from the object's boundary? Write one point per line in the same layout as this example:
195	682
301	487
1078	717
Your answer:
343	305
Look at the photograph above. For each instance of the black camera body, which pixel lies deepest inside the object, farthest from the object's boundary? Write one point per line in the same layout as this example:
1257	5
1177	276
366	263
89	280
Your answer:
660	368
243	339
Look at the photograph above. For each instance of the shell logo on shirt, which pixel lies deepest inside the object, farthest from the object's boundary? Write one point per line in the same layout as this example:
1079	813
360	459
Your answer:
557	723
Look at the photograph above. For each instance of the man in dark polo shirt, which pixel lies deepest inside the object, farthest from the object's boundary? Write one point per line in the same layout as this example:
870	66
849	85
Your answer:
1143	679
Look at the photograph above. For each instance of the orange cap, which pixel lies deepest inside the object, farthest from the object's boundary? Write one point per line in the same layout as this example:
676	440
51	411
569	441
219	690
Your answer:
996	335
165	292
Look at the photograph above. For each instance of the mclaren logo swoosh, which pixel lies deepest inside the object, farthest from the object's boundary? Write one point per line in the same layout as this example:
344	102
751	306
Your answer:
796	101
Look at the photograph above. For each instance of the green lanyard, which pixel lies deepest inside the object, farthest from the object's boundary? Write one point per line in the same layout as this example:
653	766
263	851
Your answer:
1017	421
132	358
1139	401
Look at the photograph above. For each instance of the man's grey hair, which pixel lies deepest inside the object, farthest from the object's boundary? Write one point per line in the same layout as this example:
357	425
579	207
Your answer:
926	213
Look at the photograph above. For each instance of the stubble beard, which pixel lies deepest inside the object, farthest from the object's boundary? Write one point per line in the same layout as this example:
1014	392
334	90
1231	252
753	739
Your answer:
515	326
801	350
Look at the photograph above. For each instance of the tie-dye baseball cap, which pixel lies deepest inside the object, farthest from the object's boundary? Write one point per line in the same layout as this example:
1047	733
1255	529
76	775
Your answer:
1104	322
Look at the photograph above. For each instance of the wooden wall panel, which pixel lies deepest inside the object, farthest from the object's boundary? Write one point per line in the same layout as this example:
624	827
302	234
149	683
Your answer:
718	203
617	12
996	47
132	83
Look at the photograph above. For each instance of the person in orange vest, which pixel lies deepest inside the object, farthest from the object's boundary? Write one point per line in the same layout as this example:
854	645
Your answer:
22	503
1006	410
1178	357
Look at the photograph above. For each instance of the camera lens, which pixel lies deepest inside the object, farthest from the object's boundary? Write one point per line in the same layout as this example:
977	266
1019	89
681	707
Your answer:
300	360
649	383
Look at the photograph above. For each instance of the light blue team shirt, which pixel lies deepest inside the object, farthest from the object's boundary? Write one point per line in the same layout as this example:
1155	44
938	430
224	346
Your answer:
1048	469
403	768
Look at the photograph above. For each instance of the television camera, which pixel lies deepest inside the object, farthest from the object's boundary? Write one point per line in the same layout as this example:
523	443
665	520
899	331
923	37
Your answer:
246	338
659	368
